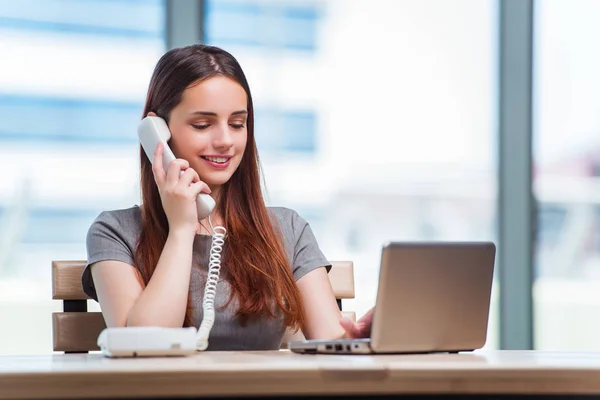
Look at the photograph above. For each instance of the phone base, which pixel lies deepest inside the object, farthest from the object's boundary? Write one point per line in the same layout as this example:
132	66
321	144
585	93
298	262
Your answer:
147	342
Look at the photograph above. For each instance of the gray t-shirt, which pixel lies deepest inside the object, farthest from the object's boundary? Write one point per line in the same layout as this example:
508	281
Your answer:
114	234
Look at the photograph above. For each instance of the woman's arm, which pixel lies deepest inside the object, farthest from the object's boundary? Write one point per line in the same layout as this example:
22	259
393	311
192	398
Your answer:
124	301
163	302
321	311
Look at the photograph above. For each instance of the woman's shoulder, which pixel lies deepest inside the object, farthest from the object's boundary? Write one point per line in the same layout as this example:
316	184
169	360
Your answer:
291	224
125	221
121	215
111	236
300	242
287	218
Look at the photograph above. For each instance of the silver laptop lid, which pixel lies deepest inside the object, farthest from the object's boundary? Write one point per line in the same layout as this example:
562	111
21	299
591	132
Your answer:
433	296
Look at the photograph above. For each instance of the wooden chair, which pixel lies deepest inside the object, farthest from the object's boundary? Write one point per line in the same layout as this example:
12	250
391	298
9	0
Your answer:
75	330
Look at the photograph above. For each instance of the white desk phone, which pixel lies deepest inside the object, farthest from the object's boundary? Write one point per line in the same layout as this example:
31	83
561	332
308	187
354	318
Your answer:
160	341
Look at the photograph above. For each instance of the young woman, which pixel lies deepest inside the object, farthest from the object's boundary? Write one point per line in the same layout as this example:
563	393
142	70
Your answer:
147	265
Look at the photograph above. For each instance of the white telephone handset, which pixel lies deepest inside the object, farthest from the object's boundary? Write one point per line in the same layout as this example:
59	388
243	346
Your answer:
152	130
159	341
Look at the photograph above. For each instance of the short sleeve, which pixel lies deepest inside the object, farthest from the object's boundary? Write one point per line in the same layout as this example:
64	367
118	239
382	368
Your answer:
105	241
307	254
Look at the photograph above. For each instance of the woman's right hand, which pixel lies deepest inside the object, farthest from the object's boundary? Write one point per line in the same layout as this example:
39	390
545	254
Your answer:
178	193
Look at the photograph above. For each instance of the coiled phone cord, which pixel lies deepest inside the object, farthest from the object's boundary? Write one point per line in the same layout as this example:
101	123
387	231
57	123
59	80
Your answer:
210	289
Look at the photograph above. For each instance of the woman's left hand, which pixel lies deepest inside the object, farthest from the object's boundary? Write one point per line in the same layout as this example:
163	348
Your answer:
360	328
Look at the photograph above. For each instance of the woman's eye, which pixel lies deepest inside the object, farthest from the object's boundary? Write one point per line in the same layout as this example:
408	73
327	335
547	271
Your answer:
200	127
237	126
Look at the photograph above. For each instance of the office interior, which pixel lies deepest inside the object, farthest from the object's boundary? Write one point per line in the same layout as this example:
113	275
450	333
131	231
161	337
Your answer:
376	120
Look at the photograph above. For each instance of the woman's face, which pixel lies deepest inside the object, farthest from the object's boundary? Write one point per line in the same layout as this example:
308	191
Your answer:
208	128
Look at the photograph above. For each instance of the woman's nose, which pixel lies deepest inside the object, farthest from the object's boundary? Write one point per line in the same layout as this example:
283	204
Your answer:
223	139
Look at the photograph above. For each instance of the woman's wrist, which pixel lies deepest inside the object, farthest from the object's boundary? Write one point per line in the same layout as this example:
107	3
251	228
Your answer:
182	234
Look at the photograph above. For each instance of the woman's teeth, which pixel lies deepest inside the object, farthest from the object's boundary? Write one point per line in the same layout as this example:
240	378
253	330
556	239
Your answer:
219	160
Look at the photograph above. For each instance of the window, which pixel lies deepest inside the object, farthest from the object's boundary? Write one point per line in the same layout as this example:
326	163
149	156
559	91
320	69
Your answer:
566	148
284	133
299	131
120	18
279	25
72	88
39	119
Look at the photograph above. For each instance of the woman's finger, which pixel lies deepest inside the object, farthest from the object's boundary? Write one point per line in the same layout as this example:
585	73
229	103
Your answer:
350	327
200	187
174	172
188	177
157	166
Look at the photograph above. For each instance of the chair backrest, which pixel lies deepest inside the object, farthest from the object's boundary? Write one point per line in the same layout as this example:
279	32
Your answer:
75	330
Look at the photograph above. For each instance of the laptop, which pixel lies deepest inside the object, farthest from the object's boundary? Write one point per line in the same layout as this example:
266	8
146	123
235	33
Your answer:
431	297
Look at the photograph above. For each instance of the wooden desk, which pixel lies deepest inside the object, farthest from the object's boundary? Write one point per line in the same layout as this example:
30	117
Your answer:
284	373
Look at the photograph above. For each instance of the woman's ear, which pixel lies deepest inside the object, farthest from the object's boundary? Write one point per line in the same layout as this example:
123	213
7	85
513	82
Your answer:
152	114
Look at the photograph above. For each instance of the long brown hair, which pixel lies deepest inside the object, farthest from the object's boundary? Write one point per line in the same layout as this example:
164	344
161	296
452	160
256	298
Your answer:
254	256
